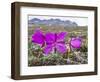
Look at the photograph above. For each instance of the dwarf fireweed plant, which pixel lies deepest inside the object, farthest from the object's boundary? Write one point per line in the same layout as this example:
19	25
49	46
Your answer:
55	41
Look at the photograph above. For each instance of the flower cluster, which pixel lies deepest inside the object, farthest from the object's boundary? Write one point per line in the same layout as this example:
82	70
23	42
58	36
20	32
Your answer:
51	41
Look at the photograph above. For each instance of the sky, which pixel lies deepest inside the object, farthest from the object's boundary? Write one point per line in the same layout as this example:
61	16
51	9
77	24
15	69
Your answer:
81	21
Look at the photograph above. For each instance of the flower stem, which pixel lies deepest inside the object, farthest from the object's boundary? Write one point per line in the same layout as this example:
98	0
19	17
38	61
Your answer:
55	50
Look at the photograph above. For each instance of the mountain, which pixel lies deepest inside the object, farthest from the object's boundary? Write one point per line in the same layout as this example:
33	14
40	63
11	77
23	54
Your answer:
52	22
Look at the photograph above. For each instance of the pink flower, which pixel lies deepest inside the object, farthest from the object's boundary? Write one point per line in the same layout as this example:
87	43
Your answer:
38	37
76	42
55	41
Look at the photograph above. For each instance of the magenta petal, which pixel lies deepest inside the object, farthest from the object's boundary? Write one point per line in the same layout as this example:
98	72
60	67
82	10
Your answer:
61	36
50	38
61	48
47	49
38	37
76	42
